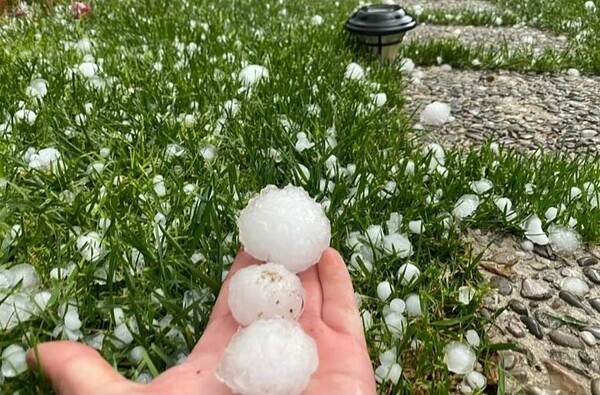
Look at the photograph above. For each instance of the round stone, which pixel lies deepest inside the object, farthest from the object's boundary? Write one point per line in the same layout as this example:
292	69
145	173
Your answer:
575	285
518	307
588	338
503	286
533	326
592	274
587	261
532	289
566	339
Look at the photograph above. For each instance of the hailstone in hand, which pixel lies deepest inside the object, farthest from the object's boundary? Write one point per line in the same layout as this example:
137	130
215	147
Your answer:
285	226
270	357
265	291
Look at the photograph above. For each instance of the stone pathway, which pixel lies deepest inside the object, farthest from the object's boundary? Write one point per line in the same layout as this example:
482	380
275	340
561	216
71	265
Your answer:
520	38
448	5
552	313
557	112
548	304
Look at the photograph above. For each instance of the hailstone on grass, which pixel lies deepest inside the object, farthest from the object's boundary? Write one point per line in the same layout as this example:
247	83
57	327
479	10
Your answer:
269	357
285	226
253	74
459	357
265	291
563	239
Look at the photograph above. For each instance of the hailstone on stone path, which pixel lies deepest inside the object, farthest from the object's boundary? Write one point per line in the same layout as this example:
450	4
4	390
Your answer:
269	357
435	114
285	226
265	291
563	239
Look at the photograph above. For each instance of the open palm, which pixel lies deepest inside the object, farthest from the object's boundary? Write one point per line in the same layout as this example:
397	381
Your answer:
330	317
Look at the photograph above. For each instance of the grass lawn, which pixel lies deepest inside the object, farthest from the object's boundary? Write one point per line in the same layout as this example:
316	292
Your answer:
132	229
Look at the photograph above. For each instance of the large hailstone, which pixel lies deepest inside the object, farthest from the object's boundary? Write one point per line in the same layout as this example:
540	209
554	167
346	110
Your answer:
269	357
285	226
265	291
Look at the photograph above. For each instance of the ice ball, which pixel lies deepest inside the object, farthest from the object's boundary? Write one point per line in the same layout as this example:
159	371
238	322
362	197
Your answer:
265	291
459	357
285	226
269	357
13	361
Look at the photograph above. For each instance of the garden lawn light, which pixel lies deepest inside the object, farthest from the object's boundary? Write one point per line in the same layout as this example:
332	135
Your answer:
381	27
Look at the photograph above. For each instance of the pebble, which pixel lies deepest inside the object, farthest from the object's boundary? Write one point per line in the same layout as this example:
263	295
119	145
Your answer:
509	360
593	330
515	329
505	259
533	326
544	251
595	303
592	274
575	285
595	386
535	390
571	299
538	266
566	339
531	289
503	286
547	320
518	307
588	338
587	261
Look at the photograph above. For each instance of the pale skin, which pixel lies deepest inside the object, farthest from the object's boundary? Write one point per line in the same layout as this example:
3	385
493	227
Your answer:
331	317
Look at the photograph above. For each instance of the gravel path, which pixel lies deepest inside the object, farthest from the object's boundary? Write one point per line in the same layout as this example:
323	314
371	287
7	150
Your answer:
557	112
552	313
522	38
448	5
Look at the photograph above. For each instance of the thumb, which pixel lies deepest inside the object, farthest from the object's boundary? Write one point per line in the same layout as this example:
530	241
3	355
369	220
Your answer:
75	369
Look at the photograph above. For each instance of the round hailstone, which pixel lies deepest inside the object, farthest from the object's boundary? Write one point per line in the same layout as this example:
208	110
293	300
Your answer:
465	206
398	305
354	72
269	357
396	243
413	305
253	74
459	357
476	380
13	361
435	114
285	226
408	273
482	186
384	290
563	239
465	294
265	291
473	338
26	275
534	231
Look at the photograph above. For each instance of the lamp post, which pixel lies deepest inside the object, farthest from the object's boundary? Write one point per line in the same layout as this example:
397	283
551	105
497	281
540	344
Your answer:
381	27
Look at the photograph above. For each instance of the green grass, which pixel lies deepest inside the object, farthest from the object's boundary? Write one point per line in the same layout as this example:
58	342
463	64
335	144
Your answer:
136	116
570	19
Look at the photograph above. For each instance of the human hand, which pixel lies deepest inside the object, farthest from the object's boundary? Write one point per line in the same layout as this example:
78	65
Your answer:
330	316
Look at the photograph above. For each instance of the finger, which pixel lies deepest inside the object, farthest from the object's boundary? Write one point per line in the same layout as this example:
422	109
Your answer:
221	307
313	298
340	311
75	369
